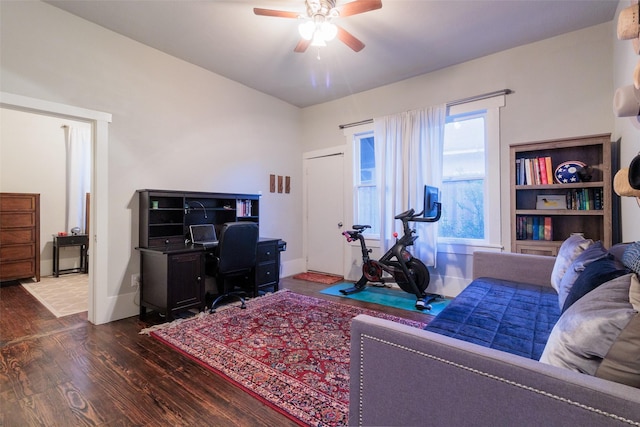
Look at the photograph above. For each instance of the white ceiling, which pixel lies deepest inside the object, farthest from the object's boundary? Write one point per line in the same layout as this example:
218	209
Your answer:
405	38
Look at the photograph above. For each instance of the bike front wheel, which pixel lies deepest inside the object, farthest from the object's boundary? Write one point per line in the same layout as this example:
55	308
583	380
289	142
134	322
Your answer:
420	275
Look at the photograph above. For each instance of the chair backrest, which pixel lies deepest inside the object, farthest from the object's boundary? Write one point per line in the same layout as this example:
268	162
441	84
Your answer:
237	247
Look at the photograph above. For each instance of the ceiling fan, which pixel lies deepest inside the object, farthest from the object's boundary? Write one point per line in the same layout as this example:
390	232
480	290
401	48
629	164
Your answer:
317	28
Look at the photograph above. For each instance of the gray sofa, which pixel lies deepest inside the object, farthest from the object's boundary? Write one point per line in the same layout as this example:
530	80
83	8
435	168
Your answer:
406	376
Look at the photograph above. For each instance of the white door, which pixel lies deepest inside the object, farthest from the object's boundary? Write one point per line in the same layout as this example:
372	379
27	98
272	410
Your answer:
325	198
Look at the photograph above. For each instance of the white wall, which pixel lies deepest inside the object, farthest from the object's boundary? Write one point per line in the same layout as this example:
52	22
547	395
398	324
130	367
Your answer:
33	160
175	126
626	128
562	87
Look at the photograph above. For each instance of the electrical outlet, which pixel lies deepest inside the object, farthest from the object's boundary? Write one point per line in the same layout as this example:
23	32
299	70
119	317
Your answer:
135	280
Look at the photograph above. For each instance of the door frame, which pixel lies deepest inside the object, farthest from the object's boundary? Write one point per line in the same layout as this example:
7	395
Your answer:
306	157
98	261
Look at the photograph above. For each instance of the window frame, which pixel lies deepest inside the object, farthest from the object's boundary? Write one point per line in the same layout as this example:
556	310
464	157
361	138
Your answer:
353	135
492	184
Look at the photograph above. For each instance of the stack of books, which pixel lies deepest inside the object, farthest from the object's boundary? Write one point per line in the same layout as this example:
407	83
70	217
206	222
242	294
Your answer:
534	228
534	171
585	199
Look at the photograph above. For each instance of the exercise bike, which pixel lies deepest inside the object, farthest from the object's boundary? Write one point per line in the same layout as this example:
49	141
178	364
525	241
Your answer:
409	273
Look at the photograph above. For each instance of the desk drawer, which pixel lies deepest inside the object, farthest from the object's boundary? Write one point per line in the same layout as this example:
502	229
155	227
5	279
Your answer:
72	240
17	252
267	252
266	273
161	242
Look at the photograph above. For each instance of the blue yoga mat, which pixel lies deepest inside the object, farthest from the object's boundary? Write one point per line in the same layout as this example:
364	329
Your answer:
386	296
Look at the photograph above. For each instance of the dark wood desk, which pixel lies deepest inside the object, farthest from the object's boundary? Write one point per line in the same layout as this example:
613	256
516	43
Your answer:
173	277
80	240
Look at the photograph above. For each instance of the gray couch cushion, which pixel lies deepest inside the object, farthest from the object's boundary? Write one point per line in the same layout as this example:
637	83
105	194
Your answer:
586	332
504	315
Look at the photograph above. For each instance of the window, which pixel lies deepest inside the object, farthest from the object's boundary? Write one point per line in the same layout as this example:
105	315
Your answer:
463	173
470	191
367	207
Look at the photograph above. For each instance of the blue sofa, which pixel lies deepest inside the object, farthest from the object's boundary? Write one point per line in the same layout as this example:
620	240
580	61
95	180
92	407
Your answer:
477	362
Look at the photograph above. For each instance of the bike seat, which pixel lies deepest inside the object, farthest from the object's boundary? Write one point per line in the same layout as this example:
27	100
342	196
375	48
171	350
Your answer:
361	227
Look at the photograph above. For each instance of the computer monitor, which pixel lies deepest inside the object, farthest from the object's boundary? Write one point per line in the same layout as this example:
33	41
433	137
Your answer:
431	198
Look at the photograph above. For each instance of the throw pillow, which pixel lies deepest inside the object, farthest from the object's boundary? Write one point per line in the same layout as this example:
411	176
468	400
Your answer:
585	333
631	257
569	251
618	249
622	362
594	275
591	254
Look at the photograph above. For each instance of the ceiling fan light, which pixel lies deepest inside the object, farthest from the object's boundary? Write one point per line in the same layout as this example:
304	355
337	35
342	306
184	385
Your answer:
318	40
329	31
307	29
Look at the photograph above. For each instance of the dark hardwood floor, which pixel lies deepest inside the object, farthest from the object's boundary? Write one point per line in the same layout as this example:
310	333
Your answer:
68	372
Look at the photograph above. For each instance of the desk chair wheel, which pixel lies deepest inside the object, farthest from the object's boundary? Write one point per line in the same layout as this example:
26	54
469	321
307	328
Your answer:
225	296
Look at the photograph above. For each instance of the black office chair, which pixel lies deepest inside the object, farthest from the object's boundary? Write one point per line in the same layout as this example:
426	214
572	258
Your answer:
235	259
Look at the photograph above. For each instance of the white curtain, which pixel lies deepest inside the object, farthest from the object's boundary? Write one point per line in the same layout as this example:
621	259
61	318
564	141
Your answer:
78	147
409	151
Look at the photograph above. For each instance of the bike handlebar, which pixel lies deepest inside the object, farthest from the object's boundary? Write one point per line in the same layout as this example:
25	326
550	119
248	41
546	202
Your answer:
405	217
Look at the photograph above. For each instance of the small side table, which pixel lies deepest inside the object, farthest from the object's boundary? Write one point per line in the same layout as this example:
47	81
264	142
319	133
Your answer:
81	240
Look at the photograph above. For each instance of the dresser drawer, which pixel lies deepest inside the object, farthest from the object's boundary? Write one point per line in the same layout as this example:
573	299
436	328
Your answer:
11	236
16	202
17	252
17	269
17	219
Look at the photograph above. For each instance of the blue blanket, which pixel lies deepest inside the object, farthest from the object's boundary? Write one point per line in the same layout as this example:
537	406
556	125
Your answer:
508	316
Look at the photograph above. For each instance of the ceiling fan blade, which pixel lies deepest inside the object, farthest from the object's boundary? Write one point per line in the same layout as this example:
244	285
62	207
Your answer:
349	39
275	13
302	45
358	6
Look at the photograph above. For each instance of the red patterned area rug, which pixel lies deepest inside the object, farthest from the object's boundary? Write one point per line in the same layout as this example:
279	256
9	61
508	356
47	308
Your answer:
288	350
327	279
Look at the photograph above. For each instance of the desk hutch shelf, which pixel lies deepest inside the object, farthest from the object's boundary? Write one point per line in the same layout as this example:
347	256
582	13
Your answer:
165	216
582	207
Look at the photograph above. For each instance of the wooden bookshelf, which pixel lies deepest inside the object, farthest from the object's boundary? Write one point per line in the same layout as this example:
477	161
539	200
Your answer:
588	205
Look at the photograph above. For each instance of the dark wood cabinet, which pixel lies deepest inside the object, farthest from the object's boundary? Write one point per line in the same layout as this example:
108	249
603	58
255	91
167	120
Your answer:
171	281
19	236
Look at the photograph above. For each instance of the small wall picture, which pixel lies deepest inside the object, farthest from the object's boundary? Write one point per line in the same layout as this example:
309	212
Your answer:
280	184
287	184
272	183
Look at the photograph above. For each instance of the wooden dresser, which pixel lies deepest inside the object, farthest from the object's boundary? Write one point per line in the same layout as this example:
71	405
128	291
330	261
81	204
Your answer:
19	236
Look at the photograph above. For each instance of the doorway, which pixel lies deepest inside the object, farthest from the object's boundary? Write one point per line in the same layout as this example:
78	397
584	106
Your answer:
98	285
324	173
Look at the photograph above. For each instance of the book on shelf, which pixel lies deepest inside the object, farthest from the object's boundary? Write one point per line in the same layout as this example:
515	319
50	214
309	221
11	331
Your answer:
584	199
243	208
530	227
534	171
